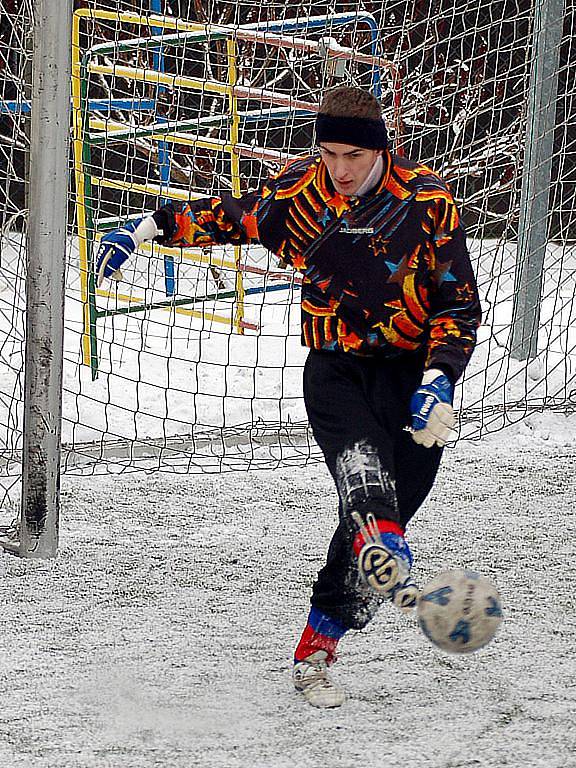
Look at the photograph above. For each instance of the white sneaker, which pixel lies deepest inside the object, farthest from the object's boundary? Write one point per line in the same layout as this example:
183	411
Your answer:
311	678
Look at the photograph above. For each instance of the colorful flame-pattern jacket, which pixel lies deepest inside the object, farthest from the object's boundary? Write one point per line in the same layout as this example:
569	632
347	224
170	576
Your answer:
386	273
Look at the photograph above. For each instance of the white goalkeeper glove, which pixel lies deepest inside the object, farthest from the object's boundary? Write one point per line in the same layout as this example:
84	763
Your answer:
431	408
117	246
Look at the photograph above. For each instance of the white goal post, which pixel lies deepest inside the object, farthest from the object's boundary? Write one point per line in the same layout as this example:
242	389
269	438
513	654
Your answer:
45	270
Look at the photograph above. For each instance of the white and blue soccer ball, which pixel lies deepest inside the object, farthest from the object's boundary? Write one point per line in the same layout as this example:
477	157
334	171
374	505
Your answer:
459	611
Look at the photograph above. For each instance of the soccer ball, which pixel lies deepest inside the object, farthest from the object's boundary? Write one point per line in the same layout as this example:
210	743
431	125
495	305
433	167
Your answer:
459	611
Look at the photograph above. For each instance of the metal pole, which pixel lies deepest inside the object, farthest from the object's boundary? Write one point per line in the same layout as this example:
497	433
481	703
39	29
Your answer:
538	153
46	250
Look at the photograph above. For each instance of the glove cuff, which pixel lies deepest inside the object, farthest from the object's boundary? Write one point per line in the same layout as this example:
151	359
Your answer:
146	230
431	375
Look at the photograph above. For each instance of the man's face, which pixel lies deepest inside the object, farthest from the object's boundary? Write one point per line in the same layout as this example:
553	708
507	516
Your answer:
347	165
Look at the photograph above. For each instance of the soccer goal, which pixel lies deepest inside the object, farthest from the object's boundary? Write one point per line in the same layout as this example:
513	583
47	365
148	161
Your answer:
192	363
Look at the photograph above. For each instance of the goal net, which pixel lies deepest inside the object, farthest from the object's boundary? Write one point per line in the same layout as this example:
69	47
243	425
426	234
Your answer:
193	361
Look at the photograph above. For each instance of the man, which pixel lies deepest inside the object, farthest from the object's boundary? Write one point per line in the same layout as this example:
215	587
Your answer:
389	311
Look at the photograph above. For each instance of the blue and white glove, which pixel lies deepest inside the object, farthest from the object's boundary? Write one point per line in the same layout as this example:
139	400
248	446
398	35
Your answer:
117	246
431	408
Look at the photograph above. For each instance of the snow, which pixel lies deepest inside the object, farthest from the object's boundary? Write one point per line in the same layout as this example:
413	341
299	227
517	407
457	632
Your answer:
164	374
162	634
182	392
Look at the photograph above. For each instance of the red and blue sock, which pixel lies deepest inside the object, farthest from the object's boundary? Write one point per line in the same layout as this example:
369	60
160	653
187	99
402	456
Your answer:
384	526
321	633
392	534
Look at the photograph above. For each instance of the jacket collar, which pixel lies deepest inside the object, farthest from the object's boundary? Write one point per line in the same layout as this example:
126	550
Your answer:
375	187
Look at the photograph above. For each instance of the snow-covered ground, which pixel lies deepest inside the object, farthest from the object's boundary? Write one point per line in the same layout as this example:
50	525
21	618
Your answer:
163	632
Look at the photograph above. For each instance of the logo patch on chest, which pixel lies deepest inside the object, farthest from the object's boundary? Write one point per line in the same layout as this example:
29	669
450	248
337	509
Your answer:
347	228
357	230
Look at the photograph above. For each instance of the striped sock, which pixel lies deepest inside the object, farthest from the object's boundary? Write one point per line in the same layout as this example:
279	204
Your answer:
384	527
320	634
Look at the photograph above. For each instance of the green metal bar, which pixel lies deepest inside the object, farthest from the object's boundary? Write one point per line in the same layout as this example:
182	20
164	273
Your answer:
176	40
164	129
111	224
86	163
137	133
163	304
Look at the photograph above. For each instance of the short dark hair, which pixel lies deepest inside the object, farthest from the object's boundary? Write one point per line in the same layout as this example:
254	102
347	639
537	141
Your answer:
350	101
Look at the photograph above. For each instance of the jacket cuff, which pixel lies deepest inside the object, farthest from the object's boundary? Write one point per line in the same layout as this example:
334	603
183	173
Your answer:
165	219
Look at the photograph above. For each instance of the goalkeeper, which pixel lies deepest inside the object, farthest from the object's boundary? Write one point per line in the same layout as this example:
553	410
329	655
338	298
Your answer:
390	311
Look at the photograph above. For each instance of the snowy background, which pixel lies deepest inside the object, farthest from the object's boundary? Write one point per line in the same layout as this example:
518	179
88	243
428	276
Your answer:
192	385
162	634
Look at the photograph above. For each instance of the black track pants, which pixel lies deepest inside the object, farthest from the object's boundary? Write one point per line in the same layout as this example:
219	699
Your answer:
357	408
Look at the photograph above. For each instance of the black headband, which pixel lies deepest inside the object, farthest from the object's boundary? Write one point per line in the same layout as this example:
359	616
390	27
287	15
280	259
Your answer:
365	132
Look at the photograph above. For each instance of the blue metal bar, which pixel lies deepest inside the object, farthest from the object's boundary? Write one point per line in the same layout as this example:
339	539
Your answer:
14	107
158	60
312	22
134	105
293	25
163	150
270	288
94	105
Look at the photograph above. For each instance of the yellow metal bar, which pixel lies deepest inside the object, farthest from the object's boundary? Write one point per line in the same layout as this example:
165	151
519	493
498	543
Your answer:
147	189
120	296
177	310
158	78
201	258
143	75
235	121
187	139
80	186
222	319
78	133
190	254
191	141
166	22
235	174
118	132
197	256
